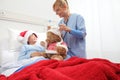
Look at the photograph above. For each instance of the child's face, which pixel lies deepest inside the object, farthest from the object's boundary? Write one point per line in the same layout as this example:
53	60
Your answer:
32	39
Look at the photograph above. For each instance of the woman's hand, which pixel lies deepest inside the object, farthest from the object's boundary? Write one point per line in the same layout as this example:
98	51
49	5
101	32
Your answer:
64	27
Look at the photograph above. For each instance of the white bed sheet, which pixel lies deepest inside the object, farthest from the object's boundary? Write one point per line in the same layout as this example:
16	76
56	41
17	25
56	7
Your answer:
8	72
9	68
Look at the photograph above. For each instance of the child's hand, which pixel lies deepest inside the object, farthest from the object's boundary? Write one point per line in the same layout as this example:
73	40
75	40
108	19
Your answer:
38	54
42	43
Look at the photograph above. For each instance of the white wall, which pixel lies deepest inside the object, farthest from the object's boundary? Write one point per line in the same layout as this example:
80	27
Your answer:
102	19
38	8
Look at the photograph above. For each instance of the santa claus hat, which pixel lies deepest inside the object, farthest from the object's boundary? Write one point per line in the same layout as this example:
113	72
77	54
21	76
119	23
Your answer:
24	35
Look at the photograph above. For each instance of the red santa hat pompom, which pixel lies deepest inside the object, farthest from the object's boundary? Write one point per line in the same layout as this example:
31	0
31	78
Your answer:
23	36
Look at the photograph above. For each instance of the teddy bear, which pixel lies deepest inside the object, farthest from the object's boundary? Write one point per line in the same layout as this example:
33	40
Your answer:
56	48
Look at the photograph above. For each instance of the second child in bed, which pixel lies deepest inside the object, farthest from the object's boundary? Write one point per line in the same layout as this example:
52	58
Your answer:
31	48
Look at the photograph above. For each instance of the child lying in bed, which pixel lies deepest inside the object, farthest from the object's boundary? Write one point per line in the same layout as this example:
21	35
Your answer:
31	47
31	52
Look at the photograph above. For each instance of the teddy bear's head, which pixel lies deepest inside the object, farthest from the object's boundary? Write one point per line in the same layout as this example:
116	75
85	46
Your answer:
55	42
52	38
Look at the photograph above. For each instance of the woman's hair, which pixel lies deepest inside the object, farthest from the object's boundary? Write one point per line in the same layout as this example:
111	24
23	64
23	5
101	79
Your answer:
60	3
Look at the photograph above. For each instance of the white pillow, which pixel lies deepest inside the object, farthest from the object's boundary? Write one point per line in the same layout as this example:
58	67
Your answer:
14	44
5	55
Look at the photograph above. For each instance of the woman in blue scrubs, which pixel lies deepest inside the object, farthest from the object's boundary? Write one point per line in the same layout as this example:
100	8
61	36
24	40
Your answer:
72	27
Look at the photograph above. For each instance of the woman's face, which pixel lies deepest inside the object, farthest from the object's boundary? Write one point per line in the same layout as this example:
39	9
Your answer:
61	12
32	39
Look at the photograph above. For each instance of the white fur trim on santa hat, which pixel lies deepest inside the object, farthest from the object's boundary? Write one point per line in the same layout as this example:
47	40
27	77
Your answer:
24	39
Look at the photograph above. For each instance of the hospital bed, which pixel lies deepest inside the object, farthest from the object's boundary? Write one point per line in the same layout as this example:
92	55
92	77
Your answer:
41	69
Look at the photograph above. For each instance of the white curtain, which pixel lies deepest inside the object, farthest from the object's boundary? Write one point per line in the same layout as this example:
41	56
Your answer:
102	19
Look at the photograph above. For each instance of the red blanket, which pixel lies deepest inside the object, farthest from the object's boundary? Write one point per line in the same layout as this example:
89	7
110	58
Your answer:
72	69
